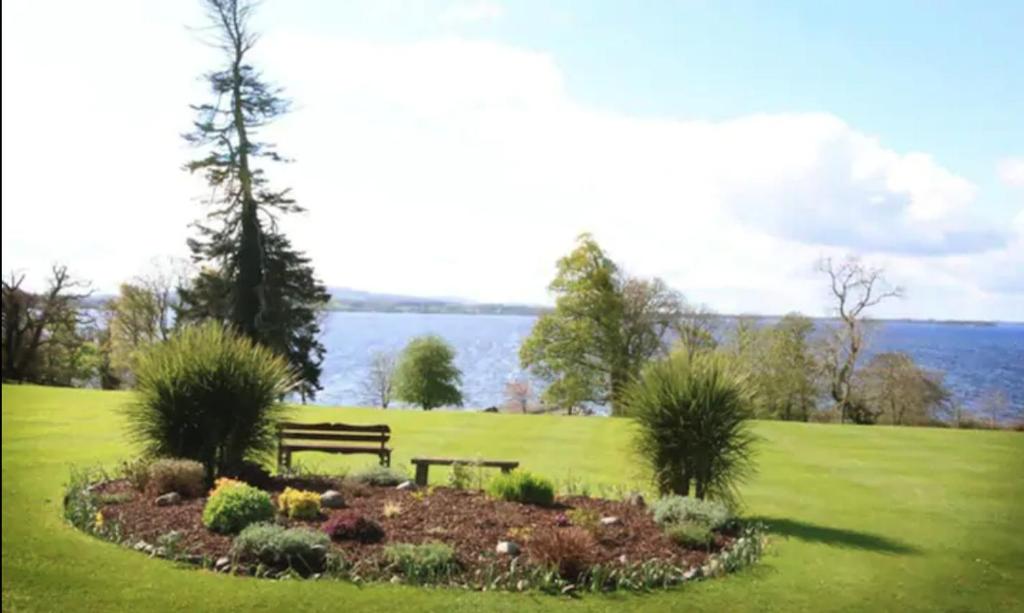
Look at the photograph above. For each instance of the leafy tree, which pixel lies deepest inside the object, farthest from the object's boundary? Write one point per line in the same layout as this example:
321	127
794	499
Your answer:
44	337
379	385
691	411
135	318
855	288
604	327
253	277
894	390
780	364
426	374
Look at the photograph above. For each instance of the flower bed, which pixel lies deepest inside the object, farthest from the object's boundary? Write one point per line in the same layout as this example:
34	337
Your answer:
576	543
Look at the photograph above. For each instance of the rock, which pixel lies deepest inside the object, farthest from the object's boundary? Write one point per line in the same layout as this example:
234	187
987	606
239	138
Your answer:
693	573
406	486
507	548
168	499
222	564
396	579
636	499
610	521
332	499
521	585
622	559
144	547
491	410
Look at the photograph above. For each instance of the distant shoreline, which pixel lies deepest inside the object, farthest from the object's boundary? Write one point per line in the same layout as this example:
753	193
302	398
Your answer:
461	308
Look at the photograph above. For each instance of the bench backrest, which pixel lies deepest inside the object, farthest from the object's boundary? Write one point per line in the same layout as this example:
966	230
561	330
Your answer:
380	433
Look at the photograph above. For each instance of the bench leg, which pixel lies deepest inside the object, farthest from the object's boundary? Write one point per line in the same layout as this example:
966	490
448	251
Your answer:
506	469
385	458
421	474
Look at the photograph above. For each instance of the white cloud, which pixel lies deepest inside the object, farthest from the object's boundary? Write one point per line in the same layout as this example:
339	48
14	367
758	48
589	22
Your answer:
455	167
1011	171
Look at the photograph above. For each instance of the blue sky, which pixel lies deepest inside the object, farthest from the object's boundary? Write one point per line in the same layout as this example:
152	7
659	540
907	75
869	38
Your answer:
721	145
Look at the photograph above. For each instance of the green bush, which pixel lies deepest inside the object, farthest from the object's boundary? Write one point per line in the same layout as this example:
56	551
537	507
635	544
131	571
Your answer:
210	395
522	487
426	374
379	475
691	412
233	507
673	510
692	535
300	549
187	477
426	563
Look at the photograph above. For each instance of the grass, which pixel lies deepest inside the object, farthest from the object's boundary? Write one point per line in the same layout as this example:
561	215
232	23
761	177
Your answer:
866	518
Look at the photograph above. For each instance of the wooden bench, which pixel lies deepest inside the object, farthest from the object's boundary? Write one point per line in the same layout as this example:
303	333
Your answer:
332	438
423	465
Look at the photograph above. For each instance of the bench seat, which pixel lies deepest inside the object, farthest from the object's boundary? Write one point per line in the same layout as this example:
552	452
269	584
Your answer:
332	438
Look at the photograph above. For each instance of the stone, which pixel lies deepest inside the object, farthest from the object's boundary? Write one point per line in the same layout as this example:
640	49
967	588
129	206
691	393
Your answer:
332	499
396	579
507	548
144	547
222	564
521	585
622	559
406	486
693	573
168	499
610	521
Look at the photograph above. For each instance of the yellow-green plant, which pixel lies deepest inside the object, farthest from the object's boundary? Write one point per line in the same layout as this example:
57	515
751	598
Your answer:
299	504
392	509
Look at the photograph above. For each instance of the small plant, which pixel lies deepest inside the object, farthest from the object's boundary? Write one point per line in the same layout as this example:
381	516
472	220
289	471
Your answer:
350	526
522	487
566	550
186	477
169	544
520	534
673	510
573	486
465	475
745	551
392	509
299	549
112	498
82	507
379	475
691	535
136	472
587	519
426	563
299	504
234	505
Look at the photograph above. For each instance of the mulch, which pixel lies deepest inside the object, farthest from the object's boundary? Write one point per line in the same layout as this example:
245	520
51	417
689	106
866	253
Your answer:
469	521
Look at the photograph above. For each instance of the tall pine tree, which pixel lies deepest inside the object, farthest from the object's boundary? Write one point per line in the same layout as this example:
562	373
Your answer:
252	276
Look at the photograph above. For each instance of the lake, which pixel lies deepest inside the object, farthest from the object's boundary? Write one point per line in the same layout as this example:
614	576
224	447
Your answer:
975	358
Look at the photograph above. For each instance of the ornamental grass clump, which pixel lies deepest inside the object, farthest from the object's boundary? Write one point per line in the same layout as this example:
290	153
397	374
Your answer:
522	487
186	477
299	504
379	475
673	510
211	395
234	505
691	412
424	563
566	550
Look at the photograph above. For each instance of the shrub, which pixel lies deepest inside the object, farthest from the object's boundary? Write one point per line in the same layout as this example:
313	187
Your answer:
426	374
426	563
693	535
684	509
376	474
691	413
210	395
187	477
567	550
234	505
522	487
461	476
584	518
300	549
299	504
136	472
224	483
351	526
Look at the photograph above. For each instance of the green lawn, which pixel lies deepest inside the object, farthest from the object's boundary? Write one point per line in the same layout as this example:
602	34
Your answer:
866	518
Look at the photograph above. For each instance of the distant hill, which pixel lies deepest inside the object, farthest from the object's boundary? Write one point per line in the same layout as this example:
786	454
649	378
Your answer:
353	300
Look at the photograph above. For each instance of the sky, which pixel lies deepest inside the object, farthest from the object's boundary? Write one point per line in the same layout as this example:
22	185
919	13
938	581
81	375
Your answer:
457	148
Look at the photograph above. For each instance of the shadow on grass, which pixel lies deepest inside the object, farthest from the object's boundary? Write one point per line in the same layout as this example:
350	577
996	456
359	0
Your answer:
837	537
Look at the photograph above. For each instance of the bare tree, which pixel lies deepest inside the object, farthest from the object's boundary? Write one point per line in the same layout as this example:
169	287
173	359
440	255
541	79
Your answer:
697	326
995	407
518	393
855	288
33	322
379	385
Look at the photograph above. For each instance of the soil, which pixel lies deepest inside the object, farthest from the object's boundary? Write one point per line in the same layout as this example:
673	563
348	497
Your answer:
469	521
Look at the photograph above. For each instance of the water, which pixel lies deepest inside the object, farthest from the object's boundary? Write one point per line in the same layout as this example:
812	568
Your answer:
975	358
